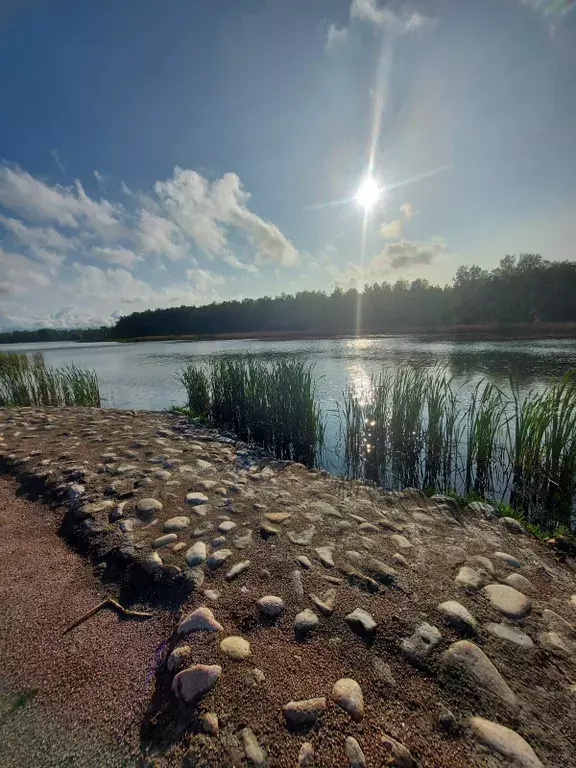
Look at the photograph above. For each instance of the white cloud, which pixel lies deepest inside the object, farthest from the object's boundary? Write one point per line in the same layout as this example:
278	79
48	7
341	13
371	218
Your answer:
335	37
122	256
203	279
59	163
385	18
18	274
162	237
37	237
407	210
107	283
391	229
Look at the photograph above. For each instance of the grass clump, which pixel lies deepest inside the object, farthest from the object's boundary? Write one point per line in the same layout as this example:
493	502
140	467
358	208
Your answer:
28	381
270	404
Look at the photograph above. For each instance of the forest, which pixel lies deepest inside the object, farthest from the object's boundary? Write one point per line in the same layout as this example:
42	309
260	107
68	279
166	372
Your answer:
524	289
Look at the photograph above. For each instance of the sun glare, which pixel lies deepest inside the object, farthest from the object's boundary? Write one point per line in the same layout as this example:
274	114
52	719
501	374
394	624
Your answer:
368	194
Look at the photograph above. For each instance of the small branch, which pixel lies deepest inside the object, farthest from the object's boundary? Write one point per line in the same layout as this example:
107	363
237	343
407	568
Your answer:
108	601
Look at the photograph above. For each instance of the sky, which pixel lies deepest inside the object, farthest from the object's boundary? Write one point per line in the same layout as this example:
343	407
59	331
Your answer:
155	154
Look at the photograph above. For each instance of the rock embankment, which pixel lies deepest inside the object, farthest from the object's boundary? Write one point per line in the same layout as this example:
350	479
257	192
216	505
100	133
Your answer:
320	622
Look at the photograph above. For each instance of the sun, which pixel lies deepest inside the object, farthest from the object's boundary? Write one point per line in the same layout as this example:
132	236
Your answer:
368	193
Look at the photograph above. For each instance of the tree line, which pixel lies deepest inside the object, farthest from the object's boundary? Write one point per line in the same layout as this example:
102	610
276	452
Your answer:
524	289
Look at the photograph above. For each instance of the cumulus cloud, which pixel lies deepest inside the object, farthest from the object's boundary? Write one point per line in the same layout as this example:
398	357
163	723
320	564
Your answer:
385	18
391	229
203	280
407	253
335	37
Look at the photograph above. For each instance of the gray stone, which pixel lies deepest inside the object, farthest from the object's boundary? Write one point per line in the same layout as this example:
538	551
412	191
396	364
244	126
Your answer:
176	524
148	507
512	525
368	528
196	555
304	562
557	623
481	508
267	530
422	642
455	555
252	749
151	563
557	644
179	658
468	578
324	509
303	538
505	742
218	542
401	541
508	601
361	621
507	559
398	755
235	647
306	755
458	616
325	556
196	498
271	606
325	604
200	619
479	562
164	541
217	558
226	526
365	583
242	539
385	574
399	559
382	671
297	583
354	753
347	694
465	659
519	582
504	632
305	622
237	569
195	681
202	509
306	711
210	723
161	474
192	578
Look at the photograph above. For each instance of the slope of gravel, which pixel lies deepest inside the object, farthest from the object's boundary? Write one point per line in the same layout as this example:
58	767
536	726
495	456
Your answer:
167	512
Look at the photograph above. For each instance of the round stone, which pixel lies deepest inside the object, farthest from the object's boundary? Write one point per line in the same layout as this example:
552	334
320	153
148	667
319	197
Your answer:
505	742
519	582
179	658
508	601
306	711
354	754
504	632
196	555
235	648
176	524
271	606
164	541
507	559
226	526
468	578
217	558
195	681
196	498
483	563
348	696
306	621
361	621
457	616
200	619
148	507
512	525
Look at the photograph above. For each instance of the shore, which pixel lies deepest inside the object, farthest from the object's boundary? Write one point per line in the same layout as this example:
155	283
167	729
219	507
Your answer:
293	613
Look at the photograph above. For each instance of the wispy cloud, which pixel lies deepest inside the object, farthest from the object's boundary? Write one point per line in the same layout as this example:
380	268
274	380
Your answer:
335	37
59	163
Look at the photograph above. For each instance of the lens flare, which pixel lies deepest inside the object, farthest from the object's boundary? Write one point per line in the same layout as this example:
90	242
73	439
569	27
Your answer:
368	194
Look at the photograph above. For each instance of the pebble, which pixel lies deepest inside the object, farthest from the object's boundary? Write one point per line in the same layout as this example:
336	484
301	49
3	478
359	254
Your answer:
305	622
226	526
148	507
325	556
422	642
218	542
361	621
211	594
556	644
505	742
254	677
324	509
200	619
151	563
196	498
468	578
325	604
306	755
206	485
201	464
347	694
483	563
466	659
176	523
195	681
399	755
401	541
202	509
217	558
455	555
162	474
519	582
304	562
179	658
385	574
480	507
507	559
297	583
192	578
163	541
305	711
508	601
557	623
368	528
235	647
196	555
504	632
398	559
458	616
512	525
354	753
271	606
303	538
210	724
277	517
237	569
242	539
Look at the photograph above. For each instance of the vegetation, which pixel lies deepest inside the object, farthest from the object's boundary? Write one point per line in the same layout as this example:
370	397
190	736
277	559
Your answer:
418	430
27	381
272	405
54	334
524	290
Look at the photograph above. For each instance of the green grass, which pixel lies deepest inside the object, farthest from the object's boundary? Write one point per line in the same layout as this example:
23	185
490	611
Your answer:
273	404
27	381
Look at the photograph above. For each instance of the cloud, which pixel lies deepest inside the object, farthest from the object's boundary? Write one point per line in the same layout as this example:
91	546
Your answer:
385	18
407	253
122	256
19	274
59	163
392	229
162	237
335	37
407	210
125	189
203	279
206	211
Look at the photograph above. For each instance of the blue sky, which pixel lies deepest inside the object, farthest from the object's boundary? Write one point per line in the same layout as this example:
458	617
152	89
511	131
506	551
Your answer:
186	151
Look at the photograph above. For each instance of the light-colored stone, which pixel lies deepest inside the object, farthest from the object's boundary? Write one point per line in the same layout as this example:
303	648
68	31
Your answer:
303	538
196	498
297	583
237	569
304	562
505	742
458	616
325	604
148	507
179	658
200	619
306	711
252	749
468	578
504	632
210	724
481	508
508	601
196	555
151	563
271	606
164	541
242	538
235	647
354	753
305	621
226	526
512	525
325	556
505	559
558	623
397	754
557	644
191	683
400	560
306	756
178	523
277	517
519	582
324	509
401	541
361	621
383	573
482	563
465	659
455	555
347	694
422	642
217	558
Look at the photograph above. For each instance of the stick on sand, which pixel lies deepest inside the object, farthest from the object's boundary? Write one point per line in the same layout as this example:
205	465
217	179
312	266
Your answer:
103	604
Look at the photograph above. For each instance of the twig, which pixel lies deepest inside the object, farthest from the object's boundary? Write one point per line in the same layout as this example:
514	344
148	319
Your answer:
103	604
